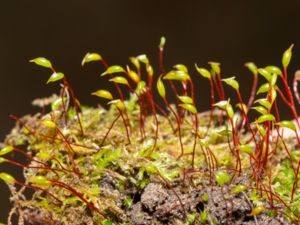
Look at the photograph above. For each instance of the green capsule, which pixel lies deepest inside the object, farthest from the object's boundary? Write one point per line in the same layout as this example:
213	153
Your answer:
2	160
203	72
252	67
40	181
103	94
161	88
90	57
189	107
257	210
41	61
232	82
185	99
237	189
286	57
162	42
7	177
113	69
119	80
55	77
6	149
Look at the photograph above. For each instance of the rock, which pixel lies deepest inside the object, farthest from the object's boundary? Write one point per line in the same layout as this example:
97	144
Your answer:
153	196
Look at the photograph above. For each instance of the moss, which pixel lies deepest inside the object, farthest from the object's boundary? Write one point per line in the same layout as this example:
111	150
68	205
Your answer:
92	165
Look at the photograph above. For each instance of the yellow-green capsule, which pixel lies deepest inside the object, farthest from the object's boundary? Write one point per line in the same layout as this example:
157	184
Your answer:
162	42
286	57
2	160
40	181
41	61
6	150
113	69
161	88
252	67
119	80
7	177
103	94
89	57
189	107
203	72
257	210
215	67
237	189
49	123
133	75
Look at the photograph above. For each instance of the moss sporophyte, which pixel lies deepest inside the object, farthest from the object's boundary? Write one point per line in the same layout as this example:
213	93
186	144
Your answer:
146	160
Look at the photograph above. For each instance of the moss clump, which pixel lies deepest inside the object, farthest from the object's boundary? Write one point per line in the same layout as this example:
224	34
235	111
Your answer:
141	163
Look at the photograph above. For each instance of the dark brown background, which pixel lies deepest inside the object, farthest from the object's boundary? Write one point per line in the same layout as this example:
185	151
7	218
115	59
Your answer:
231	32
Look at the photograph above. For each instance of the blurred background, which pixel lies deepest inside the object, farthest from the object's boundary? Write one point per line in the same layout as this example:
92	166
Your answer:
230	32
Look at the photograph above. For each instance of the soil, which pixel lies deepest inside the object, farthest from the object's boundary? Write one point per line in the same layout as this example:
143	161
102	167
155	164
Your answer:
158	205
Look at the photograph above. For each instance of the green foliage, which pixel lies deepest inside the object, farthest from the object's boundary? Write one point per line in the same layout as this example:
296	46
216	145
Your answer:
205	198
204	217
106	157
222	178
107	222
190	219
